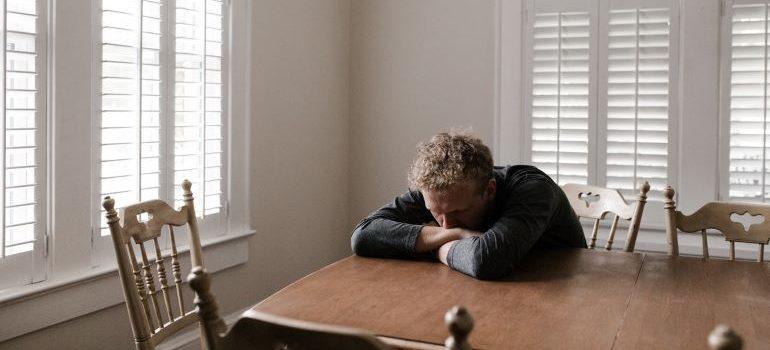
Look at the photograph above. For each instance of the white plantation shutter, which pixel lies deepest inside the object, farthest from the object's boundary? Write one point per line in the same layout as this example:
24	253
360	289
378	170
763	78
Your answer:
130	102
748	86
638	60
198	101
23	135
161	104
560	95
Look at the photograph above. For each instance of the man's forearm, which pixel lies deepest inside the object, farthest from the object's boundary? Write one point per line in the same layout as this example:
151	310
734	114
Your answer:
432	238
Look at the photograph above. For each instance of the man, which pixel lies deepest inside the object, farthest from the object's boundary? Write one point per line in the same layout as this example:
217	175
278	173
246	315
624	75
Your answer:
474	217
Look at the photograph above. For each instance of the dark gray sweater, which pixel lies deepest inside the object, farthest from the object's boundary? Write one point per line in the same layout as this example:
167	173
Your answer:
529	210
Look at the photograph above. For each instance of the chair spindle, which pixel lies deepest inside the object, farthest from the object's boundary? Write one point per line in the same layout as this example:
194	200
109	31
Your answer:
732	250
140	287
150	281
704	244
761	252
611	238
177	269
163	280
594	233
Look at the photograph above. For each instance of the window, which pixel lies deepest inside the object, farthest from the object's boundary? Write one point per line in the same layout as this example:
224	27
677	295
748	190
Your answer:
129	80
22	242
161	113
600	78
746	100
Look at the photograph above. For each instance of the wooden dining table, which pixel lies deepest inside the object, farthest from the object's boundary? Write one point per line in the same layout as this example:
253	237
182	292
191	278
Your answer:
557	299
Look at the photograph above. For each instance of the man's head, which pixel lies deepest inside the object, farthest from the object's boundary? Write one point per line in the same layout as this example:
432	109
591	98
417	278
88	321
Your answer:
454	173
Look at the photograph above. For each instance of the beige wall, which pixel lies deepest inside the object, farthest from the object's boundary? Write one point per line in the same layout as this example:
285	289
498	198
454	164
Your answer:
299	167
417	67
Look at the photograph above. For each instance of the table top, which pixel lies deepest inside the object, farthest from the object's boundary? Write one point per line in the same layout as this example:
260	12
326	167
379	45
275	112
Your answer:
573	298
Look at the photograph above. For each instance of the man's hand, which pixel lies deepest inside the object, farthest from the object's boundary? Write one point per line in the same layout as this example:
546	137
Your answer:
444	251
432	238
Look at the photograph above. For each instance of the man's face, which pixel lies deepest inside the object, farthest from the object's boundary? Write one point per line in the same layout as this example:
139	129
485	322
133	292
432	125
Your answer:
463	205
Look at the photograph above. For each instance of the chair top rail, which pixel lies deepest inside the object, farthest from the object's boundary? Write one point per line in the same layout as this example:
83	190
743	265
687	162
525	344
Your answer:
595	202
718	216
160	214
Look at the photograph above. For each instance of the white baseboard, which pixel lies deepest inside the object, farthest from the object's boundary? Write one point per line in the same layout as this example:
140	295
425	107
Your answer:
191	339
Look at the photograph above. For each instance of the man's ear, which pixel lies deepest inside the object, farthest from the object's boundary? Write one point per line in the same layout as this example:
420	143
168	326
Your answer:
491	188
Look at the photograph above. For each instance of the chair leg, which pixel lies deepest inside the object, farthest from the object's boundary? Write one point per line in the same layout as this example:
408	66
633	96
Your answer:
594	233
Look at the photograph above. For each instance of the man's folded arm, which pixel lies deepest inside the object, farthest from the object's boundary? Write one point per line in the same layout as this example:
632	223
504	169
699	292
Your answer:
393	230
525	217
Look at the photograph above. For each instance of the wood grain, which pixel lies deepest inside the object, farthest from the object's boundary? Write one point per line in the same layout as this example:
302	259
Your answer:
555	299
678	301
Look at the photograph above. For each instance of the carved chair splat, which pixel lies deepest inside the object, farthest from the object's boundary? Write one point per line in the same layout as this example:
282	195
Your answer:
258	330
595	203
153	315
718	216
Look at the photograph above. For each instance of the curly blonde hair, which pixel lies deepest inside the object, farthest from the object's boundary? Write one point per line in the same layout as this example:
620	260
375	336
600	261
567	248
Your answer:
448	159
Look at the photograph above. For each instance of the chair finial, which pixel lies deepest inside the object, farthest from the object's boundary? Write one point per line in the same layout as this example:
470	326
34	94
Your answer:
200	282
645	188
186	186
724	338
108	204
668	194
460	324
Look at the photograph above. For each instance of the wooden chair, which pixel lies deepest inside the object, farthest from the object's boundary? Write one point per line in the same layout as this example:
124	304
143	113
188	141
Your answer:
258	330
595	202
153	315
717	216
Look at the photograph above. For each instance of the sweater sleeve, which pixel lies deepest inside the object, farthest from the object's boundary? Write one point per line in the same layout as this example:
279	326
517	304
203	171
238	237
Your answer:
525	216
392	231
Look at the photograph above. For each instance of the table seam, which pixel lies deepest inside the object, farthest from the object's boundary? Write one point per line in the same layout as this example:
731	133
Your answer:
628	302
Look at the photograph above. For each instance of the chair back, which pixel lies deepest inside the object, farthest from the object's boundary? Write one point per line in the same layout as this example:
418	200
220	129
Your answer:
718	216
153	311
257	330
596	202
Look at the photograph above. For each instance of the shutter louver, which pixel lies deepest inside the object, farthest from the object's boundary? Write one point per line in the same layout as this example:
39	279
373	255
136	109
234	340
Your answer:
23	145
560	95
748	103
130	102
198	101
637	99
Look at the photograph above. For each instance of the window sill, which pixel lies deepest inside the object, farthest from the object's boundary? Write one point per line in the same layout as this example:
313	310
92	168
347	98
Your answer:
97	289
